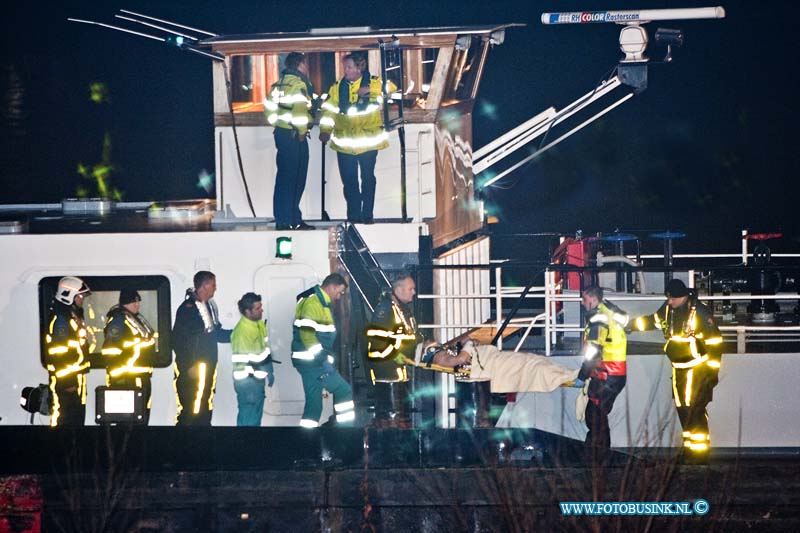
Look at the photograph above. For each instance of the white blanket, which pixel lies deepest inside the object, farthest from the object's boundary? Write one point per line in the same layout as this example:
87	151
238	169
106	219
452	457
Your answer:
517	371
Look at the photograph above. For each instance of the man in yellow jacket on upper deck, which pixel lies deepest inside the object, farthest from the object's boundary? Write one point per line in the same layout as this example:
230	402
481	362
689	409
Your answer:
289	110
351	121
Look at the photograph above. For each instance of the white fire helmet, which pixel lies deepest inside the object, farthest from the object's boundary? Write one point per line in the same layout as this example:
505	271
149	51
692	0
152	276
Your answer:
68	288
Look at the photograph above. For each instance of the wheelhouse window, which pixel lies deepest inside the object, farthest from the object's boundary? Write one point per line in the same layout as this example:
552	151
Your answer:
417	69
465	68
253	75
155	308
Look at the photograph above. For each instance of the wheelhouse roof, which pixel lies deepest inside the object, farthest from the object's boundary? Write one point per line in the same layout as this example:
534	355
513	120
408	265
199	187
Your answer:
331	39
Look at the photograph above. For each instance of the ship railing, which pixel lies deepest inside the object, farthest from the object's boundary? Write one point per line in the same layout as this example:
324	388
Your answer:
551	323
555	298
497	293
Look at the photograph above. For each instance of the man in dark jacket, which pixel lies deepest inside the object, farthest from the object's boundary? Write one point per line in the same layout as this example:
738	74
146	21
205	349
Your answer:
194	339
694	346
393	337
128	342
67	348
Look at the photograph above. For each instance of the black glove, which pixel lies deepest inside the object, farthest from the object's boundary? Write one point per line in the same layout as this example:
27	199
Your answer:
585	371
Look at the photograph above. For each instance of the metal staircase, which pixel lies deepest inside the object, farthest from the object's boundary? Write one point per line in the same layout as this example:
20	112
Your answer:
367	276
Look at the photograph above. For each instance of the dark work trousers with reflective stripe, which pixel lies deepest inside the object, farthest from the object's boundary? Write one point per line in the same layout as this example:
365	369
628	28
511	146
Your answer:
360	201
693	416
290	181
195	395
69	395
602	394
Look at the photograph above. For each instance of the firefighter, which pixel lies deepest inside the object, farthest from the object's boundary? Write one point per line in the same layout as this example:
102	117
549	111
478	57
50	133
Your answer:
252	362
194	339
67	347
693	347
313	340
392	339
289	110
351	120
604	361
127	344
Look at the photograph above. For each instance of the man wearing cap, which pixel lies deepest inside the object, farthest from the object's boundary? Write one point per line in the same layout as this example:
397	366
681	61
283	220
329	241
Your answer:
67	347
128	343
694	346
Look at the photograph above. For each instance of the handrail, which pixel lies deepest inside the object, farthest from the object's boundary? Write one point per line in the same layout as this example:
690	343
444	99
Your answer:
552	295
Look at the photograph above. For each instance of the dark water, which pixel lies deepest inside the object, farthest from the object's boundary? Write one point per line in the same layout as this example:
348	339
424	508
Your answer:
707	149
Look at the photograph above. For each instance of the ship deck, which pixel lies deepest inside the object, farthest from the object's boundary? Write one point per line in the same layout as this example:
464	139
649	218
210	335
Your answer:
135	217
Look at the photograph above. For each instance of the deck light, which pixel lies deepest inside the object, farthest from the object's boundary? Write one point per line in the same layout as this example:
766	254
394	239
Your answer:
283	248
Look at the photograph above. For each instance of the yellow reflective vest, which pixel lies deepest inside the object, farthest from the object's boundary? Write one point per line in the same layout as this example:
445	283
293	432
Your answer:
314	331
355	131
604	334
289	103
250	349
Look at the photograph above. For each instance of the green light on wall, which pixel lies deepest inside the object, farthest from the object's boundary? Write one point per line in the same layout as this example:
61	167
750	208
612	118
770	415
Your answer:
283	248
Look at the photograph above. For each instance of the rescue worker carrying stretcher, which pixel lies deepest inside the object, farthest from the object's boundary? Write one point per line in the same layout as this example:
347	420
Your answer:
604	365
313	348
392	339
67	347
694	346
128	341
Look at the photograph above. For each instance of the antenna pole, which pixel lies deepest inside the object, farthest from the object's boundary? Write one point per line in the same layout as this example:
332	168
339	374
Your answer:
156	26
170	23
118	29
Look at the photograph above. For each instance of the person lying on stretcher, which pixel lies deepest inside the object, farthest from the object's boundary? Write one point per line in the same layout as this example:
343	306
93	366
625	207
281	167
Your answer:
506	370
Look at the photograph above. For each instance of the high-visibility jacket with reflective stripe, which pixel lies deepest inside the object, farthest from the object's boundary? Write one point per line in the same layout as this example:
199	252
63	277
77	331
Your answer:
66	342
691	334
355	131
250	349
604	335
126	338
289	104
392	334
314	331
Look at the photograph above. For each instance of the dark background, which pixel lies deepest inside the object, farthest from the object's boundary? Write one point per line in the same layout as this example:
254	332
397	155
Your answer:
707	149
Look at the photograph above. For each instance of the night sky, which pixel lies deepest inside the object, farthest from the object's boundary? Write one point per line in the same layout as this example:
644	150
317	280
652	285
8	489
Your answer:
706	149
